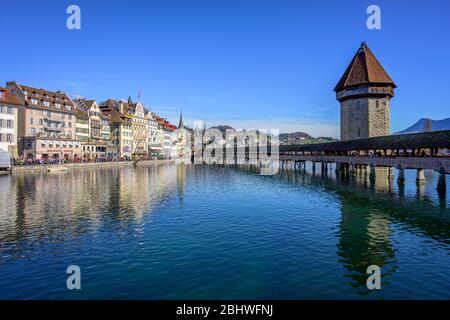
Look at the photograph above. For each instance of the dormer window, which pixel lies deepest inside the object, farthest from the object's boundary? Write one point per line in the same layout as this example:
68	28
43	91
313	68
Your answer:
46	103
34	101
58	105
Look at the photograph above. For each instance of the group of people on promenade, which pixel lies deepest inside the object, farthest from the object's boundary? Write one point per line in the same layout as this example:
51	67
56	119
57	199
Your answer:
31	162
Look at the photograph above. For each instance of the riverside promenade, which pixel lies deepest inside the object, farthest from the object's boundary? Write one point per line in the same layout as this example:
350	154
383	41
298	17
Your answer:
86	165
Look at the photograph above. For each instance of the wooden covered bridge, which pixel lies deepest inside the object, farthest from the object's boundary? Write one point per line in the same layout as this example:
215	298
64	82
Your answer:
428	150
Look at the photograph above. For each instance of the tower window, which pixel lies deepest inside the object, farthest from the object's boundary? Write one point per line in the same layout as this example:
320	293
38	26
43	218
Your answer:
377	103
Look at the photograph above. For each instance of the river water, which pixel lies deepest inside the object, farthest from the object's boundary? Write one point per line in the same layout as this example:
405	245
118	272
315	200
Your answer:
204	232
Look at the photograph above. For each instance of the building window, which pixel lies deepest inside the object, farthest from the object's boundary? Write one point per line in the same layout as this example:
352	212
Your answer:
9	137
41	122
377	103
10	110
58	105
9	124
31	120
1	123
46	103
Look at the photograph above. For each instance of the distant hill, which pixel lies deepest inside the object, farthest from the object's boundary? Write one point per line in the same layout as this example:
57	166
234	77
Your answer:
223	128
422	124
286	138
302	138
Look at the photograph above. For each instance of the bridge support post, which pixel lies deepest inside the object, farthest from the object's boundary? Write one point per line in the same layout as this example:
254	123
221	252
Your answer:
420	179
352	169
441	186
401	176
372	174
338	169
360	169
391	173
314	167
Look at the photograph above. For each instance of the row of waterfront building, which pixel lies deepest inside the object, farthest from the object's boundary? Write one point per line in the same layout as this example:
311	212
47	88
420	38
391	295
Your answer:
40	124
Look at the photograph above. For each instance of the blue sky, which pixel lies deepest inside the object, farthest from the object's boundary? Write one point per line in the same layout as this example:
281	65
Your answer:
251	64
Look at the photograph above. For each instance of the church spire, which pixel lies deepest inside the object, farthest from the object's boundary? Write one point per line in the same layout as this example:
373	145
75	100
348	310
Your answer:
181	124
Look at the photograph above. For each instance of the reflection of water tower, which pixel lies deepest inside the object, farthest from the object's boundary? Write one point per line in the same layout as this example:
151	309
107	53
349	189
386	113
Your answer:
364	240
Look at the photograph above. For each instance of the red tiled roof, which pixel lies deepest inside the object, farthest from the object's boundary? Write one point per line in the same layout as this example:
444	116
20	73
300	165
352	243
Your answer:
364	69
115	116
8	97
42	95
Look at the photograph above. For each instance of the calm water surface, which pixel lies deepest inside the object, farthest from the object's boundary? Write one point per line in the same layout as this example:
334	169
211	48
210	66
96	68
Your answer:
197	232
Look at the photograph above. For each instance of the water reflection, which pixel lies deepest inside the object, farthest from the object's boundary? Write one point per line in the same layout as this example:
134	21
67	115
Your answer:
184	229
37	207
368	211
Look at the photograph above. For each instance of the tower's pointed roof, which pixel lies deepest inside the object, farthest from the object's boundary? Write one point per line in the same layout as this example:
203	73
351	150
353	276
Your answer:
364	69
181	124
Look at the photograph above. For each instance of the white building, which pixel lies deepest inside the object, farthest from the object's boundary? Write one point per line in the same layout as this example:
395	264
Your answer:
8	122
170	139
154	143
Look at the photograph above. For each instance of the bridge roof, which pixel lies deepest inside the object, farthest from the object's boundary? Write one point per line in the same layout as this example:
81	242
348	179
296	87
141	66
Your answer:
437	139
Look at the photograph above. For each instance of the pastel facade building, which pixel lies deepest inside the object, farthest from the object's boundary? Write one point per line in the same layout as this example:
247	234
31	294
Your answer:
154	141
139	127
364	93
82	126
168	137
46	123
8	122
121	134
98	143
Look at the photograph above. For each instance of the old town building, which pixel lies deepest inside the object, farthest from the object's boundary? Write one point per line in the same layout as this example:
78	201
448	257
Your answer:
98	143
182	137
46	123
153	138
105	132
82	126
139	127
168	137
121	135
8	122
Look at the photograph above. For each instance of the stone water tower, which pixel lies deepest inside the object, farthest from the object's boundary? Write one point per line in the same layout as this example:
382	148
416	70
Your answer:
364	93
